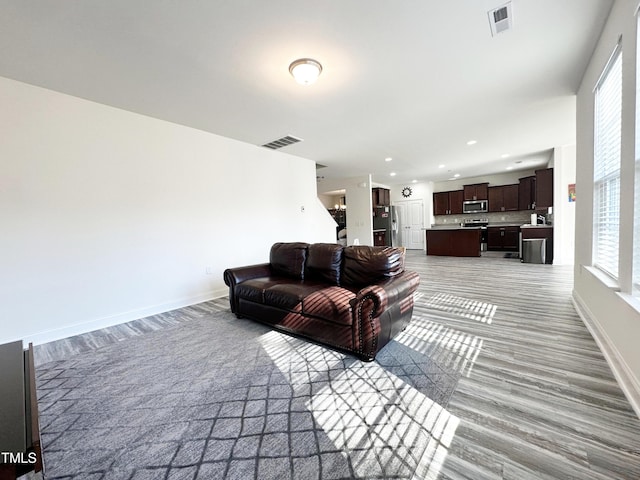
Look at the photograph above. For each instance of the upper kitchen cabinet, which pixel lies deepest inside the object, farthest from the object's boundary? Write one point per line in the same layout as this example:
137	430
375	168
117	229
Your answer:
503	198
478	191
447	203
455	201
544	188
527	193
380	197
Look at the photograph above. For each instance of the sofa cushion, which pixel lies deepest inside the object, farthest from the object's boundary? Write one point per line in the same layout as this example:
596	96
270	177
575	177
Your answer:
324	261
254	288
287	259
289	295
333	304
364	265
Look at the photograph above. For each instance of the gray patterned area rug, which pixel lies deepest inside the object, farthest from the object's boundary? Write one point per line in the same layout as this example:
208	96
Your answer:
222	398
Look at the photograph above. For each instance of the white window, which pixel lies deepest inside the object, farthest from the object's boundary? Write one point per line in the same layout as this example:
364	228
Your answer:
606	207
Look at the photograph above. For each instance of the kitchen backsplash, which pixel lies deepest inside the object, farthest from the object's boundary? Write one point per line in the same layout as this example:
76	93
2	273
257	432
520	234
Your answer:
519	218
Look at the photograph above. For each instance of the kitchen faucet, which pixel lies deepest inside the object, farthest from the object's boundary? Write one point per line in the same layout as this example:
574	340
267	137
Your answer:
542	219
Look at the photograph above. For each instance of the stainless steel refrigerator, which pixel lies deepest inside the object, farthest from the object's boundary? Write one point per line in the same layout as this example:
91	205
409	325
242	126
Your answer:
397	228
390	219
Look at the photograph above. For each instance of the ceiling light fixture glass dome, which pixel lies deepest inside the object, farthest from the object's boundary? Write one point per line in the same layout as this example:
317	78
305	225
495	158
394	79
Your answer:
305	70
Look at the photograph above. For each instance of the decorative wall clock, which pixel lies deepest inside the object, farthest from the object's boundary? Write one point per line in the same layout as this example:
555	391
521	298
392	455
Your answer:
406	192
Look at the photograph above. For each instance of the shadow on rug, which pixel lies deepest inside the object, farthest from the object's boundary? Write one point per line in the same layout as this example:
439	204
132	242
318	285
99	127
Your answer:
221	398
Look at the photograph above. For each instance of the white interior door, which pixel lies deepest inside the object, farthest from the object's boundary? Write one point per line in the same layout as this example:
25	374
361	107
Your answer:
401	229
411	218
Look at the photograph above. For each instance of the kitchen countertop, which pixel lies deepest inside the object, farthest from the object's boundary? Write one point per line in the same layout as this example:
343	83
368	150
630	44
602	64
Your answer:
453	226
536	226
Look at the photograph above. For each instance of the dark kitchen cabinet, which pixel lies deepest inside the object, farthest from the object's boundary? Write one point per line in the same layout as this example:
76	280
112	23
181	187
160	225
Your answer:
380	197
380	239
455	202
447	203
441	203
527	193
503	198
478	191
544	188
461	242
510	197
503	238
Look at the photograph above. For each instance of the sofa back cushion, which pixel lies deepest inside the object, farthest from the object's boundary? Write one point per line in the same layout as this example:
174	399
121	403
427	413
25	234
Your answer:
364	265
287	259
324	262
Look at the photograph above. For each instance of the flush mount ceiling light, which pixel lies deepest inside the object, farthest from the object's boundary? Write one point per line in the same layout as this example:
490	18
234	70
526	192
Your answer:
305	70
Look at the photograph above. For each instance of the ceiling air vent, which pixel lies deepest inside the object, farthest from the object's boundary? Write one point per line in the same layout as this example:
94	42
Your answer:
282	142
500	19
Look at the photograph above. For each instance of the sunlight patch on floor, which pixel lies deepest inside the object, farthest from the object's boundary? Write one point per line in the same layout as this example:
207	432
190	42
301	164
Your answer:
423	335
383	425
465	307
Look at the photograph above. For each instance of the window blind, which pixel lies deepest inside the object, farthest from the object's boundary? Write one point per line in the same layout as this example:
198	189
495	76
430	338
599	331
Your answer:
606	211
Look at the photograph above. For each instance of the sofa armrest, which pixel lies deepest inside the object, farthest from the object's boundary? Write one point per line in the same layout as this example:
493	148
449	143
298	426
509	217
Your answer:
234	276
389	291
379	311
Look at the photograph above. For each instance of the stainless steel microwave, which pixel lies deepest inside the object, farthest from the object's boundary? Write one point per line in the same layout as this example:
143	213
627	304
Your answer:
475	206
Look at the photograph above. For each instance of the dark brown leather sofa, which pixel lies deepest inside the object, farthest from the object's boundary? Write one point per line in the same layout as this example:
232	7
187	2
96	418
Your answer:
354	298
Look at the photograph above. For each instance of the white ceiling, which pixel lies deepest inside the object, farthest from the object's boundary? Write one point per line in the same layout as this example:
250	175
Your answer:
409	79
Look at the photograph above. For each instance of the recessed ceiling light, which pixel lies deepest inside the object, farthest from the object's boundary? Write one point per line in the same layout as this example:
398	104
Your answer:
440	166
472	142
509	168
505	155
414	181
388	159
392	174
456	175
305	70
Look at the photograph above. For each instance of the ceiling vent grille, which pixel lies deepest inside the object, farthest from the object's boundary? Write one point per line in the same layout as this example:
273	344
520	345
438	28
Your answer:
282	142
500	19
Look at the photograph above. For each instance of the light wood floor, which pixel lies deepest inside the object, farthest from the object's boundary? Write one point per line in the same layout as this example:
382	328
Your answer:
536	400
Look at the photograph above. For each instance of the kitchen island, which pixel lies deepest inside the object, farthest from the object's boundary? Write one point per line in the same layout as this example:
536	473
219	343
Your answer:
454	241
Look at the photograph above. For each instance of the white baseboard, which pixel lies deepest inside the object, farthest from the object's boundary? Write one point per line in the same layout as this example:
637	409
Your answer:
117	319
623	374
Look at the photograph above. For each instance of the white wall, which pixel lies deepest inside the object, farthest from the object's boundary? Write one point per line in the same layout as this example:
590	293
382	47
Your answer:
359	210
564	212
605	305
419	191
359	206
108	216
330	201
